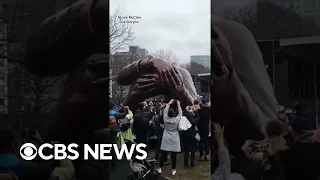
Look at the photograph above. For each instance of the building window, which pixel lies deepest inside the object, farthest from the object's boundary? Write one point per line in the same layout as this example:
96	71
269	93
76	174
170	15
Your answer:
2	88
1	75
17	84
1	60
2	100
301	80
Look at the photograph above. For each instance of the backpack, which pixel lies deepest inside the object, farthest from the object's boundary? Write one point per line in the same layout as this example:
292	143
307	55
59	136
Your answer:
7	174
124	124
145	118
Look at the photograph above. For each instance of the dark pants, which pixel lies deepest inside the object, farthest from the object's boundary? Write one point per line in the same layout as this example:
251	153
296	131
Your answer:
181	142
192	155
163	157
142	138
159	139
204	146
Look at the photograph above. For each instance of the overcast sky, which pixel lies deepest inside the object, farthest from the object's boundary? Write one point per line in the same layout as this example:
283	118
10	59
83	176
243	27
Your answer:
183	26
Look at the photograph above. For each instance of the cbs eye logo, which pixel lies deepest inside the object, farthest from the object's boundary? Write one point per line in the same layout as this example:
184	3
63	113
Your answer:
28	151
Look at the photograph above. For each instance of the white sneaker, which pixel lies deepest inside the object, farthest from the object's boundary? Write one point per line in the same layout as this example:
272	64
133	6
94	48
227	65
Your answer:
159	170
173	172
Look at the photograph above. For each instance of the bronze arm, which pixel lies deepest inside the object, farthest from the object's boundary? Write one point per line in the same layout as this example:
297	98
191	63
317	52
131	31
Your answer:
133	71
247	103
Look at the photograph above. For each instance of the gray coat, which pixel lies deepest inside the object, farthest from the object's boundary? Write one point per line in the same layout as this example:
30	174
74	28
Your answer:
171	138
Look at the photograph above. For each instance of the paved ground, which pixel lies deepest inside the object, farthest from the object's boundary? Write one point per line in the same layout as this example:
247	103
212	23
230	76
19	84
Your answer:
201	170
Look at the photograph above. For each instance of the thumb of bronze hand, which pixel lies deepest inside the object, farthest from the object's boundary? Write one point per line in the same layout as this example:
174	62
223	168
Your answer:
221	53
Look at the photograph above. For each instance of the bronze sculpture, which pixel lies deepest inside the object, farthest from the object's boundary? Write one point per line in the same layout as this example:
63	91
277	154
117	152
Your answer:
244	86
72	41
242	97
150	77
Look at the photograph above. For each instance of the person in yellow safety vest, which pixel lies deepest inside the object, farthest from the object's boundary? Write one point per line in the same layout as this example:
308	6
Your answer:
127	134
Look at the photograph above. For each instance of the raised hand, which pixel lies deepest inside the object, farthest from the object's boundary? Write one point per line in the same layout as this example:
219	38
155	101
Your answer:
219	134
218	131
178	103
171	101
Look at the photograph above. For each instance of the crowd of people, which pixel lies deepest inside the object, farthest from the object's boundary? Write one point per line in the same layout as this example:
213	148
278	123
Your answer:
12	167
290	151
152	118
162	119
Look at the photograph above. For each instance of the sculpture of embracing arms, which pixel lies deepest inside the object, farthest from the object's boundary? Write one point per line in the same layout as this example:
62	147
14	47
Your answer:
242	97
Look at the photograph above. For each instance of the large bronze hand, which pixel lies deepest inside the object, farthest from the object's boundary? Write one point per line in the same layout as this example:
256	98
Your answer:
133	71
148	85
237	104
178	89
172	79
164	69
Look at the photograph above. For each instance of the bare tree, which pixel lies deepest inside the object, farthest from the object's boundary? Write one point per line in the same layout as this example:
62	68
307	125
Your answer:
120	34
195	68
18	19
117	62
166	55
284	22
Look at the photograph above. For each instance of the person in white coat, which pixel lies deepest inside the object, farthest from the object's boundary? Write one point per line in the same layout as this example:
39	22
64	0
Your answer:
172	114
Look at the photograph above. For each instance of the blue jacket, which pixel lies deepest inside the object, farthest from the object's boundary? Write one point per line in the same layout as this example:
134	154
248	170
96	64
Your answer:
26	170
9	160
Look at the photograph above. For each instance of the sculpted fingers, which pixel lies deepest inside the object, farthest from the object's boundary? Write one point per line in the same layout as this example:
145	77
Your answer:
176	77
147	82
214	32
178	73
223	46
146	87
217	57
172	80
222	58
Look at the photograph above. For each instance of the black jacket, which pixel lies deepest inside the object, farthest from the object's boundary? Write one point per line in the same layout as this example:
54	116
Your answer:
203	124
157	121
141	120
302	160
188	136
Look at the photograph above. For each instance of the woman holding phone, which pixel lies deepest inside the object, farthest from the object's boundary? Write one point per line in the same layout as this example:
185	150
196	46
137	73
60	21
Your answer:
170	143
